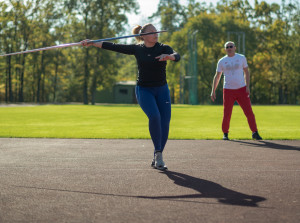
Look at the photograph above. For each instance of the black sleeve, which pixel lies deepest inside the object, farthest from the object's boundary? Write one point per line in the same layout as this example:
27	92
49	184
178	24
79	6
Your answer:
120	48
177	56
169	50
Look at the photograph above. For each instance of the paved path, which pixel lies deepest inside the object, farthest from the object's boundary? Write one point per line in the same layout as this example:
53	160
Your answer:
94	180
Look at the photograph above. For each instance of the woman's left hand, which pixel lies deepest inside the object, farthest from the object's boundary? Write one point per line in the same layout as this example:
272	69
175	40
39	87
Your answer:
165	57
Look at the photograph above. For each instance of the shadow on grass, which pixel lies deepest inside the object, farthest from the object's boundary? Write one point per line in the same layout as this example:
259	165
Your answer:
268	144
204	189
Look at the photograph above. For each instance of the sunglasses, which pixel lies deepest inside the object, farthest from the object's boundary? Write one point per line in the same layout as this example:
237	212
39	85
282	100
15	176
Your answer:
229	47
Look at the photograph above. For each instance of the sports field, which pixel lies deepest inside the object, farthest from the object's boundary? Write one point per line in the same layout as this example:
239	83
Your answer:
110	180
129	121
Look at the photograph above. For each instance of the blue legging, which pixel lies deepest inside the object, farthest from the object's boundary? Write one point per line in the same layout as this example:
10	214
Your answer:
156	103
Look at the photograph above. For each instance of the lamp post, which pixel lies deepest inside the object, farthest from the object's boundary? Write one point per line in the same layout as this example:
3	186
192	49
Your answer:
240	40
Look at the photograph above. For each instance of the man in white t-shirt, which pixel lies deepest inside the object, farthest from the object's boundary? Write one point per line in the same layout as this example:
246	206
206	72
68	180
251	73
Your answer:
236	88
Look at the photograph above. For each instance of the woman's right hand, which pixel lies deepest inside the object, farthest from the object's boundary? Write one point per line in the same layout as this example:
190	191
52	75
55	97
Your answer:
86	43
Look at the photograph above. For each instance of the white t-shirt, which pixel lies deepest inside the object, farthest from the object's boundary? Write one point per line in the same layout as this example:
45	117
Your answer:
232	68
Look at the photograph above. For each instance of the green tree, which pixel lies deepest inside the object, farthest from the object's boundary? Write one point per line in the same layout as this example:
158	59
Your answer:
101	18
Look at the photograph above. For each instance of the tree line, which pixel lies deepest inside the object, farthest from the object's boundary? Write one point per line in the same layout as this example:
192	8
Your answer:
75	74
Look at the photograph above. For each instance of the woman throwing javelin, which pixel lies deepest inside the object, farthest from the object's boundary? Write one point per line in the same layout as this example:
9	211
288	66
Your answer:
152	91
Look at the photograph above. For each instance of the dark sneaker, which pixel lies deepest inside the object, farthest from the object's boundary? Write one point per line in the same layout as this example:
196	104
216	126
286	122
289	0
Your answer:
153	162
256	136
225	136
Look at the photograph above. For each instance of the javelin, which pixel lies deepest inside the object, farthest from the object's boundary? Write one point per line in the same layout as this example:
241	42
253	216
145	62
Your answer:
79	43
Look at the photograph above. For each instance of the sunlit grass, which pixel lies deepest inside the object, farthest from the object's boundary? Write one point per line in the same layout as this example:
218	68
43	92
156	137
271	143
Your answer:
129	121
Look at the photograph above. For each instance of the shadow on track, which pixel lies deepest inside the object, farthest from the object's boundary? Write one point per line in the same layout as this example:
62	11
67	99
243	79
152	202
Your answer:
268	144
206	189
209	189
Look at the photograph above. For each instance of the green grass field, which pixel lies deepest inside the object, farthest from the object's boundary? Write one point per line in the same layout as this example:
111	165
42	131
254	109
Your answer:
128	121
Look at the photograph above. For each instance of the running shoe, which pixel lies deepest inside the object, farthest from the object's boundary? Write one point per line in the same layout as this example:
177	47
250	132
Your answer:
159	163
225	136
256	136
153	162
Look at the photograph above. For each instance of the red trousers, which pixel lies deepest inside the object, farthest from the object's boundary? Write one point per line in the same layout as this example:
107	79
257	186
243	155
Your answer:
242	97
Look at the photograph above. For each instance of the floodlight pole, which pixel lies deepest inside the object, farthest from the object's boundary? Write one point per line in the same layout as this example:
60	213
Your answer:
193	69
239	36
